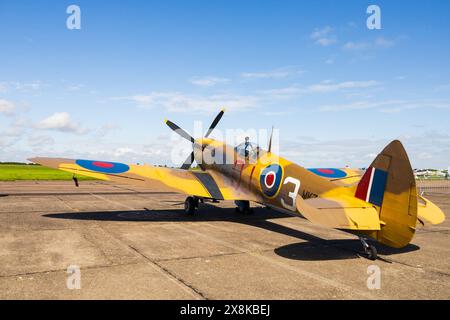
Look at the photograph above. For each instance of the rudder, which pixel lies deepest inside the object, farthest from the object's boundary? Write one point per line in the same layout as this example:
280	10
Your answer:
389	184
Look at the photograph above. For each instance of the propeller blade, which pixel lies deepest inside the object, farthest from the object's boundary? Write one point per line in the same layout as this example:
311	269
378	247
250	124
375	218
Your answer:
180	131
188	162
214	123
270	140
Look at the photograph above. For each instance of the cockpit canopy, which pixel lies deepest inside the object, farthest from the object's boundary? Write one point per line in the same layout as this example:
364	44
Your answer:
248	150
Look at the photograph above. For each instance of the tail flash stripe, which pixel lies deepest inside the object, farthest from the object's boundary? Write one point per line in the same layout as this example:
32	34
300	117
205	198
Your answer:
369	188
377	187
372	185
361	190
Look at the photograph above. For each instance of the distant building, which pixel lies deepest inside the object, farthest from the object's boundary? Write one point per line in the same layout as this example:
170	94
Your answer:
430	174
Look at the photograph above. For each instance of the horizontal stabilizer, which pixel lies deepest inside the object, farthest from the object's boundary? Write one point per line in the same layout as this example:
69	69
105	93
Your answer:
340	213
428	212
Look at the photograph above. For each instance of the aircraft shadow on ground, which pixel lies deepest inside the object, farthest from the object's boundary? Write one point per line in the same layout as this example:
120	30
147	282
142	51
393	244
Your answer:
313	248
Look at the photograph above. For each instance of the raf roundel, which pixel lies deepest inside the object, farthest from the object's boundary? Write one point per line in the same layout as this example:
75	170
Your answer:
103	166
270	180
329	172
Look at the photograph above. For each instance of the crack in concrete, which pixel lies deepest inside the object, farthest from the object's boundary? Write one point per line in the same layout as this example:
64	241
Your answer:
200	257
67	205
172	276
65	270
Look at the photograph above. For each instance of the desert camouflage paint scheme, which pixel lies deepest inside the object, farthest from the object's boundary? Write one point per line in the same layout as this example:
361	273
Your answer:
381	202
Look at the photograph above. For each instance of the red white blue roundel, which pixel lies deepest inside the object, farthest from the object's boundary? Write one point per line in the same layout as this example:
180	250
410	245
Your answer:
329	172
103	166
270	180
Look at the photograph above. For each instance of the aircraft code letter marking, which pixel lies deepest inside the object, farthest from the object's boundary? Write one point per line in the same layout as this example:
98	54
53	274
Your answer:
292	195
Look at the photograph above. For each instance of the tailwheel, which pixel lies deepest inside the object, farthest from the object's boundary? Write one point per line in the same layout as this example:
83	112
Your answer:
369	249
190	205
372	253
243	207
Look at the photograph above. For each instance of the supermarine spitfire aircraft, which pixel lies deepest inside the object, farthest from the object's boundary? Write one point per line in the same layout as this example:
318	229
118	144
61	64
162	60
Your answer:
381	203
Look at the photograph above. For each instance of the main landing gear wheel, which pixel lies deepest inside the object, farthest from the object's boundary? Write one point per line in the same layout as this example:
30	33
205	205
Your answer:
190	205
369	249
243	207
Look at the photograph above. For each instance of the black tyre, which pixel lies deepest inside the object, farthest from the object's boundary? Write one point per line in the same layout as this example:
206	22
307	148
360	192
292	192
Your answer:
190	205
372	253
243	207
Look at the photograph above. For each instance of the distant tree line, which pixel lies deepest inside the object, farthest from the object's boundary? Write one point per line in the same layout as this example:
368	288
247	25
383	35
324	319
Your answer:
18	163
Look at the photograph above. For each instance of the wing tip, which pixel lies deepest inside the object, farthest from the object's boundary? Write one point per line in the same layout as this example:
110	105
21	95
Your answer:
33	160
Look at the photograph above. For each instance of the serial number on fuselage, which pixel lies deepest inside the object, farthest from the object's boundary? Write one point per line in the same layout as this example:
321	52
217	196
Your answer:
308	195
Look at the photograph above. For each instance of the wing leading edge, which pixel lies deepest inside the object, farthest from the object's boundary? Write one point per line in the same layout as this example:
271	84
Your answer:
196	183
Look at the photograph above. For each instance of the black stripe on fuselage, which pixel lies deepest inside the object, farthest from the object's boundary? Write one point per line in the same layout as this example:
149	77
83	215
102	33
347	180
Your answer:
210	185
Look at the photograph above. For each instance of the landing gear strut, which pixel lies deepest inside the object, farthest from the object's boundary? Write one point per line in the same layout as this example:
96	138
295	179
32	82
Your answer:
369	249
190	205
243	207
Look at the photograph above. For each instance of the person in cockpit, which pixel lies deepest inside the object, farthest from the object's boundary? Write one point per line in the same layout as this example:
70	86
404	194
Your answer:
247	147
250	149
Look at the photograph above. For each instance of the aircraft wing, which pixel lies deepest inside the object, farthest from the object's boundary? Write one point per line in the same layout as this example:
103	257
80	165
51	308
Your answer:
340	212
195	183
340	176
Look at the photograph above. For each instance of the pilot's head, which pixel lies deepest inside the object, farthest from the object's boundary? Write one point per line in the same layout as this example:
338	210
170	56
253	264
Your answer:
246	139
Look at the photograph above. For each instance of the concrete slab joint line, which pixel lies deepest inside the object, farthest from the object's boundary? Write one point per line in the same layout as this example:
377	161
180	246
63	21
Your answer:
180	282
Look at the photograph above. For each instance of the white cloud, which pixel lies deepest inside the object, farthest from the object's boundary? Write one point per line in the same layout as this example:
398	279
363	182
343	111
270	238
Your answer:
119	152
40	140
323	36
355	46
273	74
276	113
286	92
180	102
106	129
384	43
75	87
318	33
322	87
326	41
61	121
10	135
7	107
21	86
410	105
388	106
357	105
30	86
379	42
428	149
143	99
332	87
208	81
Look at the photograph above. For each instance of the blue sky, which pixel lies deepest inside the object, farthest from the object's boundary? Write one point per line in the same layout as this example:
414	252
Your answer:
336	91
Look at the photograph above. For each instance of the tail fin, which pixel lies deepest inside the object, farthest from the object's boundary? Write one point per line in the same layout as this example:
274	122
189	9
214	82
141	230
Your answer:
389	184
